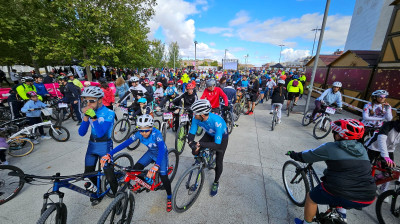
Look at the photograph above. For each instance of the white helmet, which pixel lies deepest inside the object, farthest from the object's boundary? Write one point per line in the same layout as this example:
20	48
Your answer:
145	121
337	84
380	92
92	91
280	81
134	79
200	107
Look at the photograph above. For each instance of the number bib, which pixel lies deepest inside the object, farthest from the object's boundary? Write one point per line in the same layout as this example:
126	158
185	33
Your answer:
62	105
330	110
184	117
167	116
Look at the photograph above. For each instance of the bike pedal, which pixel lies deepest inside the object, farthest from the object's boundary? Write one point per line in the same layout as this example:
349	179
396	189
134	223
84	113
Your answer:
95	201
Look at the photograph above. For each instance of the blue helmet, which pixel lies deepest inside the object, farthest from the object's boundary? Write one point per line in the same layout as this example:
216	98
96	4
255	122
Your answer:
295	77
142	100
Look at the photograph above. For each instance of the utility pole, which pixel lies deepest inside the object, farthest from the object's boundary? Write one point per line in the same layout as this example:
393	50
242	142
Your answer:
280	53
195	43
315	36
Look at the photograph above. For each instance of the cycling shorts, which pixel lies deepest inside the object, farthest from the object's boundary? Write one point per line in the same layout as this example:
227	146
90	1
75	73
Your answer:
322	197
253	97
96	150
146	159
292	95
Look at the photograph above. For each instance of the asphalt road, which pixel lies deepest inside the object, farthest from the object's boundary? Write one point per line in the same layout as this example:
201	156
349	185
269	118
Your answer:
251	187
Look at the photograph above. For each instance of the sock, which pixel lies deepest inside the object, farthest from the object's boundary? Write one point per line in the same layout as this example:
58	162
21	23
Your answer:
169	197
305	222
342	212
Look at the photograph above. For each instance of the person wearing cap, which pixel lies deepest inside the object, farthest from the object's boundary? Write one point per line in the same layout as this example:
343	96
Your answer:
74	80
41	89
213	94
26	87
71	95
49	78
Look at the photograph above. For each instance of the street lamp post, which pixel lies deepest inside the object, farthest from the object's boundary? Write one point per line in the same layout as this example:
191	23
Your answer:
195	43
280	53
315	36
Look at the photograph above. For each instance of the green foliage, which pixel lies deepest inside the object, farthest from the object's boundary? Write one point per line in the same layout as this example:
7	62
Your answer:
157	54
214	63
173	53
204	63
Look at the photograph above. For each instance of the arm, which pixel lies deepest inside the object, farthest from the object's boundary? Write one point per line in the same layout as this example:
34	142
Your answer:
216	145
193	129
83	128
124	144
125	96
388	115
204	94
366	116
339	100
177	99
319	154
21	92
323	95
301	87
382	145
161	149
25	108
224	97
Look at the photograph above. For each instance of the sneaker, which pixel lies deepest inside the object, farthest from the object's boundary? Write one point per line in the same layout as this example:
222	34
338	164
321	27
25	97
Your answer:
35	142
343	218
4	163
279	121
214	189
169	205
271	112
294	103
251	113
298	221
95	201
247	113
236	125
79	123
45	137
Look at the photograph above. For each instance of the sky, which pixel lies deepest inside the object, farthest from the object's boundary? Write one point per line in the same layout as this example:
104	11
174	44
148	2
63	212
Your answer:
256	28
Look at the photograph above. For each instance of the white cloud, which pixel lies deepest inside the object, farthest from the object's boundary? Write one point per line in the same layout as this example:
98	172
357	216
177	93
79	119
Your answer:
212	44
289	54
215	30
241	18
205	51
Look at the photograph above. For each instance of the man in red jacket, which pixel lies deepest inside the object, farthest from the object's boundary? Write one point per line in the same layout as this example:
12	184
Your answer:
212	94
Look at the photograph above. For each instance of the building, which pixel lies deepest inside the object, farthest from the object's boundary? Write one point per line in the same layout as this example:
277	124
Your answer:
369	24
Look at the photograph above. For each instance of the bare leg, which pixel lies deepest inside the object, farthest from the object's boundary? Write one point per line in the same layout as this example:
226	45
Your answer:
310	209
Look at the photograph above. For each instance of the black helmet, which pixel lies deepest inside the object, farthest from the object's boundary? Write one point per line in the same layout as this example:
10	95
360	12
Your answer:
28	79
35	76
229	82
63	78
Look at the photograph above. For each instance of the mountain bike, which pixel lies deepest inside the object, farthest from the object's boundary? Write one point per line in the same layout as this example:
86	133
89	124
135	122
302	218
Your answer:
298	181
227	115
236	111
183	130
323	127
5	113
190	184
122	207
274	116
10	184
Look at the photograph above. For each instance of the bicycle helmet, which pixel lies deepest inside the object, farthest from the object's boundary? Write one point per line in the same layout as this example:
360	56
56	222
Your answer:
142	100
23	80
37	76
134	79
145	121
31	93
349	129
146	81
253	77
159	83
28	79
70	74
380	92
170	82
238	88
280	81
200	107
295	77
190	86
63	78
229	82
337	84
92	91
210	82
151	83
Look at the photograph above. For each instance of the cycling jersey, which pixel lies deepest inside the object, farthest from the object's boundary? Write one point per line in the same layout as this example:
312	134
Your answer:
329	97
245	83
295	89
374	115
102	127
386	140
213	97
214	126
230	92
171	91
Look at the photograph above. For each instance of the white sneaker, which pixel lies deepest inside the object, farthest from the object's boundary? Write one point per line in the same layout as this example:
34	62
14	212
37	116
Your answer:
35	142
279	121
4	163
388	200
45	137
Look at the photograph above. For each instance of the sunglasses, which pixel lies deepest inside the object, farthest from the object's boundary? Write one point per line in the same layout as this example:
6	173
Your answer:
89	101
144	130
382	96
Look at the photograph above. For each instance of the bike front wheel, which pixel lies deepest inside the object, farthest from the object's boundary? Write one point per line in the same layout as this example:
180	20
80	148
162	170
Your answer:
121	159
273	121
229	122
54	214
388	207
120	210
295	182
20	147
237	111
11	182
322	128
61	134
180	139
121	131
188	189
307	119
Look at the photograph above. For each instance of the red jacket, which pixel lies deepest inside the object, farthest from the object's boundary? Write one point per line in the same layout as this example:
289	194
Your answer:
109	97
214	96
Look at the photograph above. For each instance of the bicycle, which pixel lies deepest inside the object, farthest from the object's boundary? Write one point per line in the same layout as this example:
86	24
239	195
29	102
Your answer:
274	116
236	111
227	115
191	182
10	184
5	113
294	175
290	108
123	205
183	130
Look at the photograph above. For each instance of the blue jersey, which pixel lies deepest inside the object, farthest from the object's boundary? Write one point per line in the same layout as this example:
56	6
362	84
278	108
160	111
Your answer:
102	127
169	91
214	126
245	84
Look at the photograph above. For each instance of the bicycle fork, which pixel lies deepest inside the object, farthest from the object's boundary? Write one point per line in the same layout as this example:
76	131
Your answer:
46	199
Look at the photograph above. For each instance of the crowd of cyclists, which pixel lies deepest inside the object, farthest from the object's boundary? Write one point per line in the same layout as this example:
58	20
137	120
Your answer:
207	95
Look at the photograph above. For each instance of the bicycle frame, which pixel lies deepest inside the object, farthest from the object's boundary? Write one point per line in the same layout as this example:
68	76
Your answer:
141	185
393	174
30	130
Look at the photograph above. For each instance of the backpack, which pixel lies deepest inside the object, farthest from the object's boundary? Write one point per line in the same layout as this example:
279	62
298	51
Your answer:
295	83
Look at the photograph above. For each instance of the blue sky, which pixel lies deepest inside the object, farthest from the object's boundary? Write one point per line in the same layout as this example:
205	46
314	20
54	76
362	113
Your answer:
250	27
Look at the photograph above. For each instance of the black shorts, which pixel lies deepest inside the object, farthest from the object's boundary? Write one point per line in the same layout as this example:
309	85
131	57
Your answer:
253	97
292	95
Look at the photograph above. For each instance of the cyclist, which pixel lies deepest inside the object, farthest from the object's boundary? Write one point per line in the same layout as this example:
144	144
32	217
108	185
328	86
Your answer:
74	80
263	86
188	97
212	94
137	91
157	152
215	136
71	95
230	92
149	89
375	112
294	88
159	93
170	93
253	91
41	89
347	181
279	95
243	83
329	96
101	121
26	87
270	86
185	80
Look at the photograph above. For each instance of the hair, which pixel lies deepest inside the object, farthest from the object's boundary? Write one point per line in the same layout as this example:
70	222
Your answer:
120	81
104	85
222	80
280	89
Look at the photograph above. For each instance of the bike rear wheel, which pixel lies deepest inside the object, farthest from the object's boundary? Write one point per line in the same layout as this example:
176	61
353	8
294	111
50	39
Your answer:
54	214
180	139
295	182
135	144
229	122
164	131
307	118
273	121
11	182
157	124
61	134
188	189
121	131
389	211
237	111
120	210
20	147
121	159
322	128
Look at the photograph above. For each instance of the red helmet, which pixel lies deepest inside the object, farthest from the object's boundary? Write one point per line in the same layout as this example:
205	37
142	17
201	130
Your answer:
170	82
146	81
190	86
348	129
159	83
238	88
31	93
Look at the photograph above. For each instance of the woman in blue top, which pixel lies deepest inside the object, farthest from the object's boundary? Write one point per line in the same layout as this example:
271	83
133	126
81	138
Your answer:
157	152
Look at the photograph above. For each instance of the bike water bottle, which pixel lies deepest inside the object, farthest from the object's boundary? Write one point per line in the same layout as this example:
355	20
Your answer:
149	180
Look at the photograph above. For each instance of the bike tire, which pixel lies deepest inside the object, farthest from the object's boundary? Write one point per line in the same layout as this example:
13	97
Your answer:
326	123
10	175
173	163
289	109
121	130
307	118
237	111
135	144
119	174
199	131
59	132
157	124
384	211
20	147
229	122
185	184
273	121
286	172
60	216
119	206
164	131
180	138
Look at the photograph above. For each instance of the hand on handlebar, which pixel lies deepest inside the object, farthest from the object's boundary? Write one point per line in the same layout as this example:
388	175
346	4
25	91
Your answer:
152	171
195	146
105	159
389	162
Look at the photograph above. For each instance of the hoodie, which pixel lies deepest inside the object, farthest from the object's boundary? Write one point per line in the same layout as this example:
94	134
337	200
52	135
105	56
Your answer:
348	173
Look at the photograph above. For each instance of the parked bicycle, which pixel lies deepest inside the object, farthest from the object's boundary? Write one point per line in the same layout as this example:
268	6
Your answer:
183	131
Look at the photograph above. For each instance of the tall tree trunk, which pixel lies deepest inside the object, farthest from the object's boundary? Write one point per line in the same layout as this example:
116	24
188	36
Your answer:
35	64
9	70
88	73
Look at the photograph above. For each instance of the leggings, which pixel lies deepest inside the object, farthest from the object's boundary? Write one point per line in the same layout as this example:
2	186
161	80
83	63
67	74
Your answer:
2	155
36	120
164	178
279	106
219	154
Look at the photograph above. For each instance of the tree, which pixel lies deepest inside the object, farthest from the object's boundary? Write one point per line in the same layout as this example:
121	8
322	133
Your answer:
173	55
157	53
204	63
214	63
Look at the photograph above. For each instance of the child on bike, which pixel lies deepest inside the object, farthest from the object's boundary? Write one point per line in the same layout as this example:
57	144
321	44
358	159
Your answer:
157	152
32	108
329	96
279	95
144	108
377	111
3	148
347	181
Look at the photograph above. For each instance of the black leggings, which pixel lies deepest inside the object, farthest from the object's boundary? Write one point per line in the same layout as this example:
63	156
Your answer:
164	178
2	155
219	154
